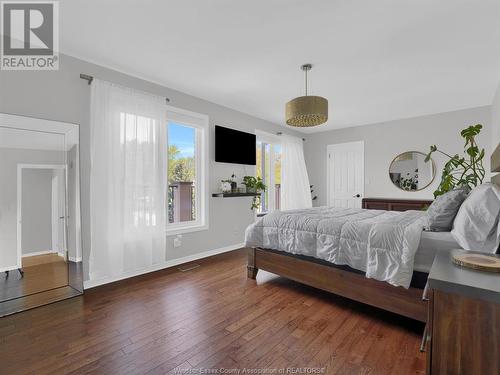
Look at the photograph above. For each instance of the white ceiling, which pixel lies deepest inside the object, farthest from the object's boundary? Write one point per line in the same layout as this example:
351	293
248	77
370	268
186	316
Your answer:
373	60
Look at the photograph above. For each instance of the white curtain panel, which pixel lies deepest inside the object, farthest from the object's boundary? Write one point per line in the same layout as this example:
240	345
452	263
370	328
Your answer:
295	189
127	180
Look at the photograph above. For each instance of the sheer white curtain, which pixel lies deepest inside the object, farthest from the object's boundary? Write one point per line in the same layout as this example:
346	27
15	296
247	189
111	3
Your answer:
127	180
295	189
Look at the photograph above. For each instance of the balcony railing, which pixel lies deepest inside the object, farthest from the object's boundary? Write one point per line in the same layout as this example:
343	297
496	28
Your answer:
263	202
181	202
277	196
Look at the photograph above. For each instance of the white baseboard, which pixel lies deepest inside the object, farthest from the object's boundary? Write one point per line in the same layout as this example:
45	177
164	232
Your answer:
167	264
45	252
73	259
11	268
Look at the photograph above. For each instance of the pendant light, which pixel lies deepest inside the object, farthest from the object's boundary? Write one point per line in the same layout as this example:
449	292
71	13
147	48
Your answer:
306	111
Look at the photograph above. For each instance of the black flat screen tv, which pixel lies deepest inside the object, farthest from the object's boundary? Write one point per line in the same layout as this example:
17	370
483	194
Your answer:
233	146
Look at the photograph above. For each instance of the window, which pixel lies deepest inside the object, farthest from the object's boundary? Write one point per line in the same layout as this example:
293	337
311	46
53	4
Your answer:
269	169
187	171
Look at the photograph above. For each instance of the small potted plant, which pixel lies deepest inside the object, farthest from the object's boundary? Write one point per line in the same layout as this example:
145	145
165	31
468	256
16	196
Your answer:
409	183
254	185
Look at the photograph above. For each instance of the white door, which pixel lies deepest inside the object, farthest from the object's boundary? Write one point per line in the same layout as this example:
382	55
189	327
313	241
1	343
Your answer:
345	174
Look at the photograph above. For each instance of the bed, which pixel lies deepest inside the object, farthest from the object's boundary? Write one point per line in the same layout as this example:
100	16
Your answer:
352	253
430	244
345	251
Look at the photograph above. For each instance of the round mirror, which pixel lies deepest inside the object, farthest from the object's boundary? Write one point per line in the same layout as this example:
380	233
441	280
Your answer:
410	172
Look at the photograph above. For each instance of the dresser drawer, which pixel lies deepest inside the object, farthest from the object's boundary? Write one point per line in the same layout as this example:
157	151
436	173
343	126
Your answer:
395	204
465	336
464	319
376	206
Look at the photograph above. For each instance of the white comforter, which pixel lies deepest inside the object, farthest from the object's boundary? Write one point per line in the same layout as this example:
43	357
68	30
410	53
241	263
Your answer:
380	243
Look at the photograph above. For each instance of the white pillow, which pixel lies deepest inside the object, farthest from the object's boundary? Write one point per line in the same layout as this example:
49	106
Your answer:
476	226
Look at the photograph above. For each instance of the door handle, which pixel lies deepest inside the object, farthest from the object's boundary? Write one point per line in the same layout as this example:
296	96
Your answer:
357	196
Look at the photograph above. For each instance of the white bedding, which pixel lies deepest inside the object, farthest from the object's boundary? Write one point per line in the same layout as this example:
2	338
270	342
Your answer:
380	243
430	244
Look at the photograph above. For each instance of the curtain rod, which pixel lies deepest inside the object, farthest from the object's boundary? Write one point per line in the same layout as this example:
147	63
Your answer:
280	133
89	79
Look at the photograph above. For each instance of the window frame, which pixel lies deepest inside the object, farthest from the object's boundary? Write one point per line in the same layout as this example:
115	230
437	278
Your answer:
201	124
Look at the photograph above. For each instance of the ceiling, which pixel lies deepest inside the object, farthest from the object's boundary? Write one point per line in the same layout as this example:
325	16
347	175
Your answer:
373	60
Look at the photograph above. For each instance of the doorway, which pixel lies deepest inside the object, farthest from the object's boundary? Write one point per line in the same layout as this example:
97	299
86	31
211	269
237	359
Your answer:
58	212
345	174
41	232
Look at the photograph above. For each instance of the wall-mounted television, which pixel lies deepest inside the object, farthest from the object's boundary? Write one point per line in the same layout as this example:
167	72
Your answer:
234	146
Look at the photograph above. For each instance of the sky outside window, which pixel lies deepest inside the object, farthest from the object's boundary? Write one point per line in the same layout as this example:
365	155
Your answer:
183	137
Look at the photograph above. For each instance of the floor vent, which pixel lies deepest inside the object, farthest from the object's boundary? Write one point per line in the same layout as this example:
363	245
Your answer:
188	267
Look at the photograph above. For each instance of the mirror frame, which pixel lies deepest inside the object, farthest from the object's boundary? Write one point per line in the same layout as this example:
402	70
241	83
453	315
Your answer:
45	297
434	171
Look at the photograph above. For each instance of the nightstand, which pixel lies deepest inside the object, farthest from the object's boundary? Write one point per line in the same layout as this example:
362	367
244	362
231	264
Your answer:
463	328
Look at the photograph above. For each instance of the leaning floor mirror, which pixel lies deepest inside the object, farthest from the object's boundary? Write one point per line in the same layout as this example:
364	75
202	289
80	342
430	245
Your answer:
40	237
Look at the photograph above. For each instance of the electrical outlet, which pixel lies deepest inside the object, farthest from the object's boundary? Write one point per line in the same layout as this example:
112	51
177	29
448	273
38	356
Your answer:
178	240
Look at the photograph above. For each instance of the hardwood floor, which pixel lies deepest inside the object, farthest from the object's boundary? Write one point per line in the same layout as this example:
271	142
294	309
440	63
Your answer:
41	272
209	317
36	260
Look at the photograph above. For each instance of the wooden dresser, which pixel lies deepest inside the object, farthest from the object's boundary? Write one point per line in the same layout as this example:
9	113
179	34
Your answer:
395	204
463	325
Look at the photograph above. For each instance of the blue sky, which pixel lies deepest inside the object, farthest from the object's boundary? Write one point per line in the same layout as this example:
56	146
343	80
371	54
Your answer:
183	138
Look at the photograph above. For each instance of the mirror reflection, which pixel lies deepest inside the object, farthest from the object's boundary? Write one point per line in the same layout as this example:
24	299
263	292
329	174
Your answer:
40	241
410	172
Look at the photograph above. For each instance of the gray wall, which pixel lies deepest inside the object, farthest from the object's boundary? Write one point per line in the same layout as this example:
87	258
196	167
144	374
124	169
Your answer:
9	158
495	119
36	210
63	96
385	140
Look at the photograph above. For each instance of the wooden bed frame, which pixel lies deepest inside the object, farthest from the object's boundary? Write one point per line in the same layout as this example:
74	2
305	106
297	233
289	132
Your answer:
340	280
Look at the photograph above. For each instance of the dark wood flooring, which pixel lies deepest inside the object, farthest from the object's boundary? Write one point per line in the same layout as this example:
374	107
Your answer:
41	272
210	317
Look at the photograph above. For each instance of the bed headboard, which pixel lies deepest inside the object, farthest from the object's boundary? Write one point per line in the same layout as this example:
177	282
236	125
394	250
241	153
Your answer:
495	165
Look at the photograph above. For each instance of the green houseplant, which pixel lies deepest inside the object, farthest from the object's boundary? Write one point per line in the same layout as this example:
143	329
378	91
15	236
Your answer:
409	182
466	170
254	185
